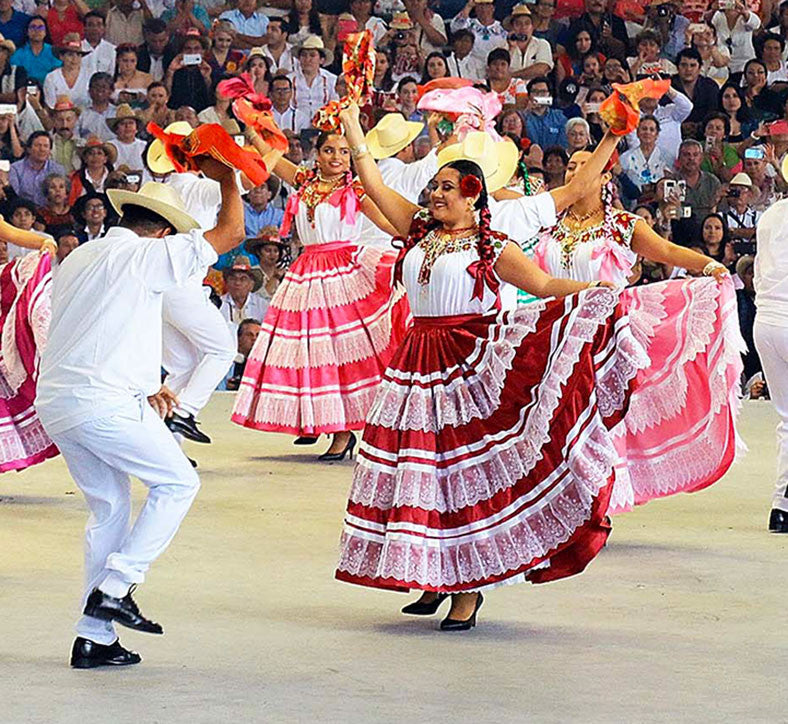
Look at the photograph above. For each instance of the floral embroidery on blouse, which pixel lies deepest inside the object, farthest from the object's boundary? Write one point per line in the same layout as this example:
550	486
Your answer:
617	226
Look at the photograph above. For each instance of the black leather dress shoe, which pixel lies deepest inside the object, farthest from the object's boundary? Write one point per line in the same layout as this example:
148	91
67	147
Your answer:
778	521
186	425
123	610
452	624
87	654
417	608
306	440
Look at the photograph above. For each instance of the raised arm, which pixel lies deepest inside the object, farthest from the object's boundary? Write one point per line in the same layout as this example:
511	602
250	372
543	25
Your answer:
649	244
274	160
578	187
229	229
398	210
514	267
26	239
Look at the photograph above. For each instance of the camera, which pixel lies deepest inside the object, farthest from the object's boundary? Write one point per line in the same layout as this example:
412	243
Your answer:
754	152
744	247
400	35
680	187
133	178
192	59
663	11
514	37
734	193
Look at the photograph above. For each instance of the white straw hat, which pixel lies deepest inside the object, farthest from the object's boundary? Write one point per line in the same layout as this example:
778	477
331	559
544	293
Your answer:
391	135
159	198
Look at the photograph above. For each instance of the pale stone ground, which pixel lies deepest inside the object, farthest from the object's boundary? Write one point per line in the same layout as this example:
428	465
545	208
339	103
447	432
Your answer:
681	618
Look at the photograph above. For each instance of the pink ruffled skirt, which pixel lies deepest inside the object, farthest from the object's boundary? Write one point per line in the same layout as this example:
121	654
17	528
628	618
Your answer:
330	330
679	433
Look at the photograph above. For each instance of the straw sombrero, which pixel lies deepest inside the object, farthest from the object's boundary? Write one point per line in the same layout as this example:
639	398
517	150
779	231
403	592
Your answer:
497	160
96	142
391	135
315	42
156	157
242	264
159	198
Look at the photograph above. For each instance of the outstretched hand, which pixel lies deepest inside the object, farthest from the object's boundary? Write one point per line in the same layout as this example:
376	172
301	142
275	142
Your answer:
163	402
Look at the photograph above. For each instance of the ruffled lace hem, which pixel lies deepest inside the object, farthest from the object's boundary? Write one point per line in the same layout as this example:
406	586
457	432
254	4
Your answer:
523	534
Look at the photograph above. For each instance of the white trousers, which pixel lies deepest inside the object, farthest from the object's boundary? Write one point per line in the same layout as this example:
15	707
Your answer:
772	345
197	345
101	454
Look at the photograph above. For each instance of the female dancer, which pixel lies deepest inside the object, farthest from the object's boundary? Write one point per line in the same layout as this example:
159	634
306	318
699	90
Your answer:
334	321
679	433
25	295
486	457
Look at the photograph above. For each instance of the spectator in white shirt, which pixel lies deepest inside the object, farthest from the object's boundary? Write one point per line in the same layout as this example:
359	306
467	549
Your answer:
249	24
670	118
531	56
741	216
770	51
431	30
645	164
313	86
734	31
461	61
101	53
93	120
126	125
285	115
277	49
488	32
241	300
72	78
361	10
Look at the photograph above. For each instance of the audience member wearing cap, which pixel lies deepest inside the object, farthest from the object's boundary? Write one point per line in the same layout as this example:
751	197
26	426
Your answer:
27	174
241	300
488	33
249	23
98	159
65	143
314	86
530	56
269	250
740	215
126	124
190	84
35	55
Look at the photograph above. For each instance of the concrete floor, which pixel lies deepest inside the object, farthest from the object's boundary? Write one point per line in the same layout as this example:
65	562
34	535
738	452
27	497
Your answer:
681	618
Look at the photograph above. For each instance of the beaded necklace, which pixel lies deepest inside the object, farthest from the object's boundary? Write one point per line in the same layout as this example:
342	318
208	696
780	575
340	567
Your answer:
440	241
614	224
312	196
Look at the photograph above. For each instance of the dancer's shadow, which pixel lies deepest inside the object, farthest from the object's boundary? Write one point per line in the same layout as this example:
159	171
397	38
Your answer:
294	458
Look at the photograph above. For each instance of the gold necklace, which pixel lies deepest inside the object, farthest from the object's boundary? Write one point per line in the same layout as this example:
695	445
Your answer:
577	219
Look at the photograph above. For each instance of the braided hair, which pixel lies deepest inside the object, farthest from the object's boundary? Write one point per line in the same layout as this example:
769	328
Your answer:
424	223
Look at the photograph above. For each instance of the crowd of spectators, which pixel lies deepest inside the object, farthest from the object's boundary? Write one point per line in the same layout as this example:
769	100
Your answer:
80	80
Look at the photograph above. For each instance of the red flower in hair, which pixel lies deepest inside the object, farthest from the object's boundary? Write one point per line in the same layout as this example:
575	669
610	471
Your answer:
470	186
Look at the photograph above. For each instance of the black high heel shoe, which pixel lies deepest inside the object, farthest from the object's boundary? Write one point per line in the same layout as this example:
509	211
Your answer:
417	608
329	457
452	624
306	440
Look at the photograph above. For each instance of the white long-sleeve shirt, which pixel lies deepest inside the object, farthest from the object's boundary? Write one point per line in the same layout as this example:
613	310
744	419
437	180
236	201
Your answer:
310	99
408	180
103	355
737	41
670	118
771	266
100	59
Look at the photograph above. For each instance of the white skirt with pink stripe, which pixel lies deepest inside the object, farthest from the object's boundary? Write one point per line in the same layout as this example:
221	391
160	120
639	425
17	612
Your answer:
331	329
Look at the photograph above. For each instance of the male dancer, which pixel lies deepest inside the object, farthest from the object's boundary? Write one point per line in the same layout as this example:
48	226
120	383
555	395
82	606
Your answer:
99	371
771	337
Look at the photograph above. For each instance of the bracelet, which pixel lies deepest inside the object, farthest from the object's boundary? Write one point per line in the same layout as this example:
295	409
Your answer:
359	151
711	267
591	285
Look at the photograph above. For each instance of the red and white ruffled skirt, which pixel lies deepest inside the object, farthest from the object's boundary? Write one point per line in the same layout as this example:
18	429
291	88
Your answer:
679	433
25	313
487	457
329	333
